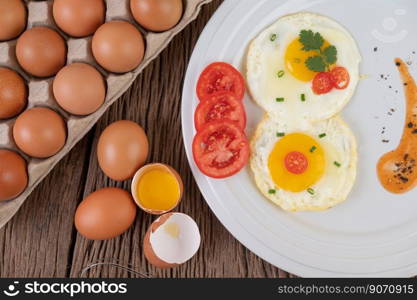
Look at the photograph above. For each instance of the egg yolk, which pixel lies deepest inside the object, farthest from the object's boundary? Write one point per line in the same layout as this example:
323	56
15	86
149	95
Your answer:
296	162
295	58
158	190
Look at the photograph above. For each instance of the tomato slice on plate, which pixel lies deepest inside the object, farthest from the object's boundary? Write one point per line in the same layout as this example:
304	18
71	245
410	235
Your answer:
220	149
296	162
322	83
220	107
340	77
220	77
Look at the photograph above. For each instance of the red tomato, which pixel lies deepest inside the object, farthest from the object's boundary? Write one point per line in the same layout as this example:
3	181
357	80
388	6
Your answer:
340	78
220	149
322	83
220	77
220	107
296	162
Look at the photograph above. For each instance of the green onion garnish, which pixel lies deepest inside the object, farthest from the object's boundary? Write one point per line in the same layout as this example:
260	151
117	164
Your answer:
322	135
271	191
303	97
279	134
273	37
337	164
310	191
280	73
313	148
280	99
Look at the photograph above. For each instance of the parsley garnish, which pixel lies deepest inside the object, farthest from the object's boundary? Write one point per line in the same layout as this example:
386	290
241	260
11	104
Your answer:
279	134
312	149
314	42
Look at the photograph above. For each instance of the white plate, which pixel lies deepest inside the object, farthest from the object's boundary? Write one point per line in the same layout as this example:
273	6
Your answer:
373	233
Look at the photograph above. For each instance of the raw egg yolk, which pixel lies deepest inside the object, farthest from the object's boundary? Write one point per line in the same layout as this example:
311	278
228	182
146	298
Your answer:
295	60
158	190
296	162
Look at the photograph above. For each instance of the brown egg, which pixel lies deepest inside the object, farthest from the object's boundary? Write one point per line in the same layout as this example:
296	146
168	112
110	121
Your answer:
41	51
79	89
13	18
40	132
118	46
13	175
13	93
122	149
79	18
157	15
105	214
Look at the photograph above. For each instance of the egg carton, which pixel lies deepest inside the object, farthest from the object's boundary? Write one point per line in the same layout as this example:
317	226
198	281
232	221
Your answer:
79	50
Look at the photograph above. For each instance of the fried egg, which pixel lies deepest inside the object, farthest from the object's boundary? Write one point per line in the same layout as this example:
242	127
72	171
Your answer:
304	166
278	77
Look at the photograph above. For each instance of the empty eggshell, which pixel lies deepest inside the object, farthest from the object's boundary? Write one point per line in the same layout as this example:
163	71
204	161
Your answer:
118	46
152	167
13	93
41	51
79	18
13	17
13	175
40	132
122	149
79	89
157	15
171	240
105	214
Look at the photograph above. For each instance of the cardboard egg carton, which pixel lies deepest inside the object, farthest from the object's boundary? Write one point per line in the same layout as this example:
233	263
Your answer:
79	50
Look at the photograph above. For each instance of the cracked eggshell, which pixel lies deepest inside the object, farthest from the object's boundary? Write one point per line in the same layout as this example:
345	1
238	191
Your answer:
150	167
171	240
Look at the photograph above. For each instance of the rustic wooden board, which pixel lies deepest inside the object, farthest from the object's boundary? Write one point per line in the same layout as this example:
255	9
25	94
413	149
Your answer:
40	241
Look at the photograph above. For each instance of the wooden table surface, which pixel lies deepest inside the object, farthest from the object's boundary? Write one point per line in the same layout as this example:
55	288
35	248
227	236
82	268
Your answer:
41	241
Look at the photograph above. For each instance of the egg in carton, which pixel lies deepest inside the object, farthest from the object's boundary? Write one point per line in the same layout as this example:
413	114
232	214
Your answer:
40	92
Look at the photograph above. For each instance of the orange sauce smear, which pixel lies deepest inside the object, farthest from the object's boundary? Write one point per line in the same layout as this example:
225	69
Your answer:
397	170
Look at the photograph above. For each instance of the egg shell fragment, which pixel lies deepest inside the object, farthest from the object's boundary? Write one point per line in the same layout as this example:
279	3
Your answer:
163	250
148	168
105	214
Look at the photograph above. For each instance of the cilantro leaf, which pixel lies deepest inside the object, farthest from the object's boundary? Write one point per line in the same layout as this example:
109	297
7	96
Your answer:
330	54
311	40
316	64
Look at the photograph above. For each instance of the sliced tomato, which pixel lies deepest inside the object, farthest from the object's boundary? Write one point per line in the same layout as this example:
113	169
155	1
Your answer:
220	107
220	77
296	162
322	83
340	78
220	149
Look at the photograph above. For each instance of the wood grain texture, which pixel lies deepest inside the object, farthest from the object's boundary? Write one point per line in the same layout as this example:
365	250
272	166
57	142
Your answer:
41	241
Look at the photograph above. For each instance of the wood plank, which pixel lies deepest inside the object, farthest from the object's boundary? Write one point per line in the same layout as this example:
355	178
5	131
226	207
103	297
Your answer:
154	101
37	242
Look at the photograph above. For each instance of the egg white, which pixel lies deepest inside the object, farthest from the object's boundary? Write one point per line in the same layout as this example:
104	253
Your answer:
339	145
265	58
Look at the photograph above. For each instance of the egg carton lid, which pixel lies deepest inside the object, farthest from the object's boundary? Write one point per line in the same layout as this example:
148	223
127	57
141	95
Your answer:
79	50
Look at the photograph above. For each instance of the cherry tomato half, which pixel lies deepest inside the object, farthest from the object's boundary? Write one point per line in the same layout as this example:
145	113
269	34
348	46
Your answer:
220	77
220	149
296	162
220	107
340	78
322	83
